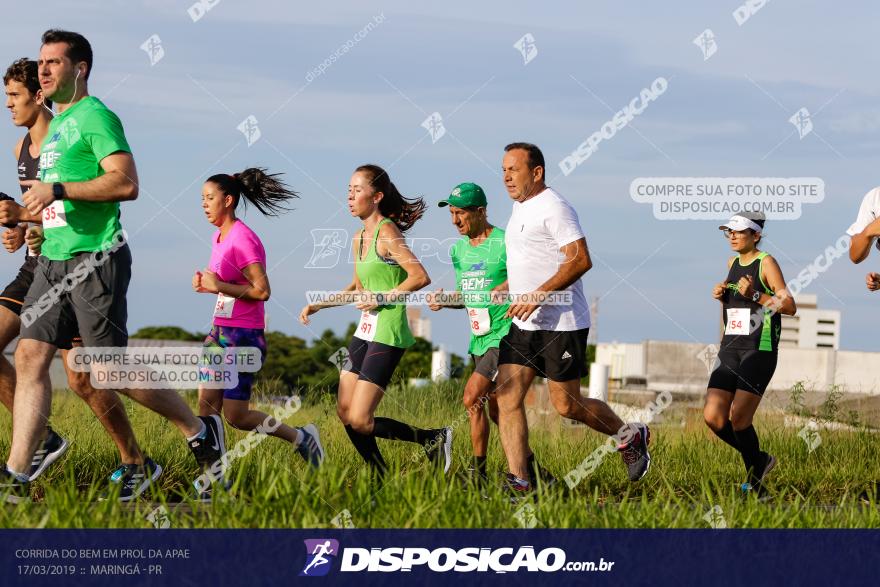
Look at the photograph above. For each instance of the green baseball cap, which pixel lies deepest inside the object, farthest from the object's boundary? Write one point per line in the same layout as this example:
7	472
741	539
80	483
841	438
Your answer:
465	195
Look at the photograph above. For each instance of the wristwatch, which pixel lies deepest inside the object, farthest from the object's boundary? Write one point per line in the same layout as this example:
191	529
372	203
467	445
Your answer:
58	191
756	296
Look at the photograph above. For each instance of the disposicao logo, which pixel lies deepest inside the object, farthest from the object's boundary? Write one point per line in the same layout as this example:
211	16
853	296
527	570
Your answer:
320	553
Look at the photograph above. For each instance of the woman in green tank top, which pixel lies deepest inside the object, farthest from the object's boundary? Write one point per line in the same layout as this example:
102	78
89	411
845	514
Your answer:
385	270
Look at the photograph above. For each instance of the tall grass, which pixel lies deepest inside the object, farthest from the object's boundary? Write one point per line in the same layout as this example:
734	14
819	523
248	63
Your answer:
691	472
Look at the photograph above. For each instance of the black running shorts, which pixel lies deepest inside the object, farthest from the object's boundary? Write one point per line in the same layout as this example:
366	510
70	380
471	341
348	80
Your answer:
373	361
557	356
748	370
85	293
14	293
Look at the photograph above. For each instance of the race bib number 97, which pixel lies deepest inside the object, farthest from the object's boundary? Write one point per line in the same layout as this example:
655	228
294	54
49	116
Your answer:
366	328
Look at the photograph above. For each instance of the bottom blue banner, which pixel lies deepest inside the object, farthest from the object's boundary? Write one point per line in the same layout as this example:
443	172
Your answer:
273	557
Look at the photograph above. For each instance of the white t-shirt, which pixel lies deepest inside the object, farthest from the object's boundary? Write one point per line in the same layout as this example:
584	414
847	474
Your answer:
868	212
537	229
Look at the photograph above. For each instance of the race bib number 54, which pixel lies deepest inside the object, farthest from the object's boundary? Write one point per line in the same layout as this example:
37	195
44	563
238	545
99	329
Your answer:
738	320
54	216
223	307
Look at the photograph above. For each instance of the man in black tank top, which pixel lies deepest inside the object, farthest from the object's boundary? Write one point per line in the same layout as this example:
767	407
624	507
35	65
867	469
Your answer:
29	110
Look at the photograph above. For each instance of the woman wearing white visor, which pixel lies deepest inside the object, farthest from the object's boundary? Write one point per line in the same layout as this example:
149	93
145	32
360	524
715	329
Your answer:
753	297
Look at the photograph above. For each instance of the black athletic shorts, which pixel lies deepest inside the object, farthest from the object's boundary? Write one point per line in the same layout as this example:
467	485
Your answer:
67	296
748	370
373	361
558	356
487	364
14	293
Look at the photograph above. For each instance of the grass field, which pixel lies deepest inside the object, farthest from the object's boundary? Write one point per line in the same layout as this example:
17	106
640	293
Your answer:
691	474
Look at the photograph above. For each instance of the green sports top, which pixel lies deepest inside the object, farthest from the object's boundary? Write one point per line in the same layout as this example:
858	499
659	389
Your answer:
77	140
479	269
386	324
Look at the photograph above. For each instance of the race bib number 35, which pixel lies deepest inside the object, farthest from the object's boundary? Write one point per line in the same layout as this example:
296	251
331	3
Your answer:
53	215
479	320
738	320
366	328
224	305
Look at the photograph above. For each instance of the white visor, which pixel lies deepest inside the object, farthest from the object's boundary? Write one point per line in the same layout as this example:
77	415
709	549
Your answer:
740	223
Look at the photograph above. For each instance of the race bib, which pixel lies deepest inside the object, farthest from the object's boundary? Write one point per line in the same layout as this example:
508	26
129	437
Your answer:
479	320
738	320
223	308
53	216
366	328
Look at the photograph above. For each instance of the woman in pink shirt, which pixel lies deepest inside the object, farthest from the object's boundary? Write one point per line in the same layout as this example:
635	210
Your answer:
237	276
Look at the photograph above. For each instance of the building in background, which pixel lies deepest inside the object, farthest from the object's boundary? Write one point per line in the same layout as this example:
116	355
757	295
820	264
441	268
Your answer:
811	328
419	326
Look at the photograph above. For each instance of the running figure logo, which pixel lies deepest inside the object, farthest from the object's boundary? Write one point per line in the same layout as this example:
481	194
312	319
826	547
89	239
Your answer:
706	42
527	47
250	130
803	122
434	125
327	247
317	553
153	47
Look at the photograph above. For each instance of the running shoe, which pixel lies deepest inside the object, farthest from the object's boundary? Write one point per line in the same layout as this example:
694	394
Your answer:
755	484
541	477
635	453
516	489
871	494
132	480
310	448
12	489
50	450
211	447
441	444
206	494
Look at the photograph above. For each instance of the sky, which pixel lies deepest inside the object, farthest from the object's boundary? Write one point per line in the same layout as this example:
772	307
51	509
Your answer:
388	66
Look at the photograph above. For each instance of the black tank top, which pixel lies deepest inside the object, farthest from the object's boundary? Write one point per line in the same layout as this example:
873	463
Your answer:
28	167
749	325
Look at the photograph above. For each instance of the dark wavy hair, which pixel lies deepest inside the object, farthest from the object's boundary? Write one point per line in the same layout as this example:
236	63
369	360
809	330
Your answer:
262	189
403	211
24	71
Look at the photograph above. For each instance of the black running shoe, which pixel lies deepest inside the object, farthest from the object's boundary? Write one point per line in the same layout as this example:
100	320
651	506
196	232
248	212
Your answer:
755	484
50	450
635	453
133	480
12	490
212	446
441	447
515	490
871	495
541	477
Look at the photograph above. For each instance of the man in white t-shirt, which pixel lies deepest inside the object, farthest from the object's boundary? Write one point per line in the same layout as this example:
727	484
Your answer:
546	257
864	232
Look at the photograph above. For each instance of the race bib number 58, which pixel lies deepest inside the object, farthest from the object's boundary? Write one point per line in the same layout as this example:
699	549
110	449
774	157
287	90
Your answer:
479	320
54	216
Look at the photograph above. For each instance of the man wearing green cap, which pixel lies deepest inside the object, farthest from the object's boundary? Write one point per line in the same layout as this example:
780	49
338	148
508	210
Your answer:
480	262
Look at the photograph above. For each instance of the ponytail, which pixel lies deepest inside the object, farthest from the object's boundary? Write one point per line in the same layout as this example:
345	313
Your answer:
264	190
403	211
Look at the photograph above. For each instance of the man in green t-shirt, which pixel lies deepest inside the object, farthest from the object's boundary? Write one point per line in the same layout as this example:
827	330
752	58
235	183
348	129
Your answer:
81	279
480	262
